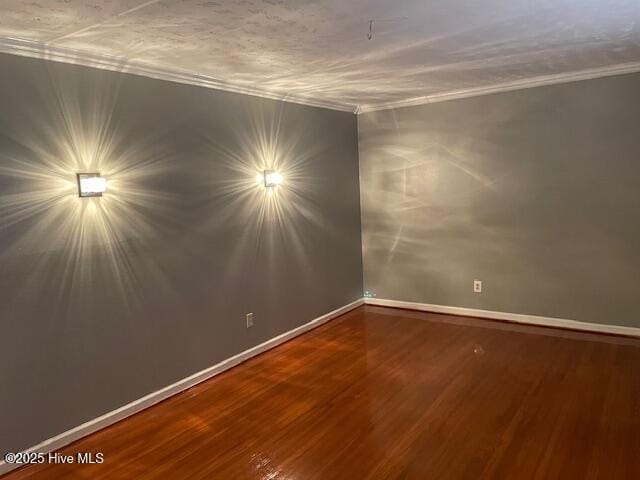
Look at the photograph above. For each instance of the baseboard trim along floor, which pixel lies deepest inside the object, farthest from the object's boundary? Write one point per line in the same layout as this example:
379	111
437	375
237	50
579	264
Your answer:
92	426
510	317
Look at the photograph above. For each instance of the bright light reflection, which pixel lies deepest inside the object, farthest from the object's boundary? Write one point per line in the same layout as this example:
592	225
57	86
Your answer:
272	178
75	241
91	184
268	220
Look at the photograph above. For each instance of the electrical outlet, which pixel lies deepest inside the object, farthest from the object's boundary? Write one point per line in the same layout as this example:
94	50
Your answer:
477	286
249	318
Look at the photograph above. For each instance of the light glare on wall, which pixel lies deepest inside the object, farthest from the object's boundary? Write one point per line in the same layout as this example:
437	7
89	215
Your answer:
272	178
91	185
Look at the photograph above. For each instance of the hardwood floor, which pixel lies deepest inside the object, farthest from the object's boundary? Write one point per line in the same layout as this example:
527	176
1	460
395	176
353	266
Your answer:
382	393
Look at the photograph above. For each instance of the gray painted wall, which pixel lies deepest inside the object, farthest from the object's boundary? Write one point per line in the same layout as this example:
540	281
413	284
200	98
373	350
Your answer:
535	192
103	301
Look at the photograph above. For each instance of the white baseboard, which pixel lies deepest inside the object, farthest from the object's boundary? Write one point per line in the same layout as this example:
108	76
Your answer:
114	416
511	317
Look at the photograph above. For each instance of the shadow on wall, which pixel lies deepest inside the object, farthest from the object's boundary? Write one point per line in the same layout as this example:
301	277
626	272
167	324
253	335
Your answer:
530	191
420	182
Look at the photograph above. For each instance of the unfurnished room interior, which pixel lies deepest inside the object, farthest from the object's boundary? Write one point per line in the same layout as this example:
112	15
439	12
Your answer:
320	240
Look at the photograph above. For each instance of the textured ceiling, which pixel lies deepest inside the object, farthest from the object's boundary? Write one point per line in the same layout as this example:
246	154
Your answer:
320	48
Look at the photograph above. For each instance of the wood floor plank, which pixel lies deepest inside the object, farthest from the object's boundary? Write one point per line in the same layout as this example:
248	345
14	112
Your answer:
384	393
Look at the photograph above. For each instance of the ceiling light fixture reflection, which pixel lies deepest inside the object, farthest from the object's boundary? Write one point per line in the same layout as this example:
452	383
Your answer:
91	185
272	178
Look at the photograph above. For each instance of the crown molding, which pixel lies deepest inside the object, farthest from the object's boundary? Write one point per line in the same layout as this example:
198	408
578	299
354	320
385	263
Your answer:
28	48
540	81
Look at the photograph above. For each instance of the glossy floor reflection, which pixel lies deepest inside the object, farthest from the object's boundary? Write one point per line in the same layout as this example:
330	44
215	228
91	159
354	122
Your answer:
385	393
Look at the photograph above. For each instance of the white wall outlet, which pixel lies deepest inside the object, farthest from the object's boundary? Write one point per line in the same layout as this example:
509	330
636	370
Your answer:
477	286
249	318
